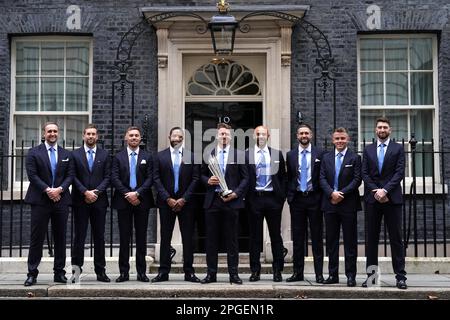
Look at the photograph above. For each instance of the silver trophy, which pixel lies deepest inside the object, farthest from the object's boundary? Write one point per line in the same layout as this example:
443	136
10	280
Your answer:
214	167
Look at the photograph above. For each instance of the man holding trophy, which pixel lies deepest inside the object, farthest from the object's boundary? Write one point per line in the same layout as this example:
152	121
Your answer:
226	180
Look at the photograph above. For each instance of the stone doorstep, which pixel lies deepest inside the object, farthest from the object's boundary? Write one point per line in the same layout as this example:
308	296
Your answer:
10	265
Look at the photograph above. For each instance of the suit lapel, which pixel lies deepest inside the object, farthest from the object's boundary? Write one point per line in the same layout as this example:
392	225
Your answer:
168	158
251	160
387	154
345	161
295	161
82	154
313	160
44	155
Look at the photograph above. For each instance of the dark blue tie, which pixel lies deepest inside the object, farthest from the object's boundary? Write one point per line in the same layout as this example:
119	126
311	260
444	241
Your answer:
337	169
53	164
133	181
176	170
90	159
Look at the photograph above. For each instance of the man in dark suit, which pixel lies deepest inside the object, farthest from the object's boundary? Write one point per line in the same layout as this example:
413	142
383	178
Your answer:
132	178
50	172
90	199
176	177
340	177
265	199
383	169
304	198
222	212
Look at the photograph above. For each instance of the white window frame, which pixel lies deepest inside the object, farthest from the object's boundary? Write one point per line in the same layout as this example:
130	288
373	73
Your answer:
14	113
435	108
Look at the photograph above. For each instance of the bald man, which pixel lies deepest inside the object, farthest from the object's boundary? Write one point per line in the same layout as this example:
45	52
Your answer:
265	199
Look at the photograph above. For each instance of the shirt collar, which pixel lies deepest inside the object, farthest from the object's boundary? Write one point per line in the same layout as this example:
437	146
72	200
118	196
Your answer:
227	149
343	152
130	151
308	148
47	146
172	149
86	149
386	143
265	149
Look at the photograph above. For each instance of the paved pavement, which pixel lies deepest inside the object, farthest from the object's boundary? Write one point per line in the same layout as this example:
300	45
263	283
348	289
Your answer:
420	286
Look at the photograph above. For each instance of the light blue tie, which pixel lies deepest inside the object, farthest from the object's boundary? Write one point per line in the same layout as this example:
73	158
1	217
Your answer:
176	170
53	164
337	169
304	172
222	167
90	159
381	157
261	179
133	182
222	161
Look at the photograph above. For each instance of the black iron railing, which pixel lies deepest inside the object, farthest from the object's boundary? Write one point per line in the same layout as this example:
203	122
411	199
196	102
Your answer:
425	207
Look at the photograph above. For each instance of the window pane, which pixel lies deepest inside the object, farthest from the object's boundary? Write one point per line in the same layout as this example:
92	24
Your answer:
27	58
368	118
371	54
399	124
421	53
396	54
396	88
77	58
422	88
77	94
52	95
52	58
422	124
27	94
372	88
74	130
28	129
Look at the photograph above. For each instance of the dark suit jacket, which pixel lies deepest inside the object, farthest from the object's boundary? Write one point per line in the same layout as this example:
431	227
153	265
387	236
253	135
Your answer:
348	182
85	180
40	175
391	174
120	178
236	176
164	178
278	174
292	171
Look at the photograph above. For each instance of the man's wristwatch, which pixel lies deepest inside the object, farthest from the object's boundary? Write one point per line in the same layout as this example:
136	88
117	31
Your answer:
137	194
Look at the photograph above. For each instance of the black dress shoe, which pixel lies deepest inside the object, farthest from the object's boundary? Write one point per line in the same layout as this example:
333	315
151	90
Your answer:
60	278
30	281
160	277
142	277
191	277
210	277
255	276
401	284
102	277
295	277
277	277
319	279
234	278
351	282
123	277
331	280
364	284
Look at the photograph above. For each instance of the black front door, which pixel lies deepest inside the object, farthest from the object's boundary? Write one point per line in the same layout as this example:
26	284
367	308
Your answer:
240	115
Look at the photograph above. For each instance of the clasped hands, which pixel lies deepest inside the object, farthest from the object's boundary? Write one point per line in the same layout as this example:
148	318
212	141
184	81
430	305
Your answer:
380	195
133	198
54	193
176	205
